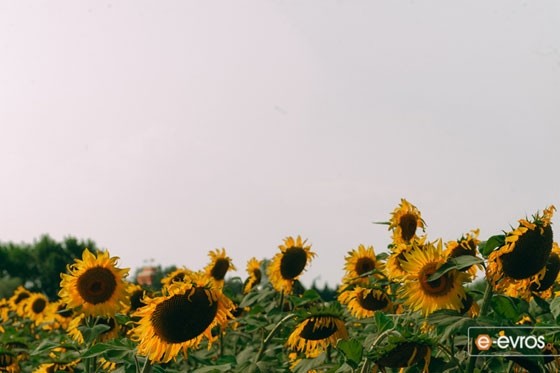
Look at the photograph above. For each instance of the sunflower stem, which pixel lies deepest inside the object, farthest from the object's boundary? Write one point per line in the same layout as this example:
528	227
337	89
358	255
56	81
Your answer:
271	334
483	311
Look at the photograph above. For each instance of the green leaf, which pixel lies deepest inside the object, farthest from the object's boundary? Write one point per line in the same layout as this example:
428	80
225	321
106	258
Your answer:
214	368
543	304
458	263
383	322
509	308
555	307
492	243
352	350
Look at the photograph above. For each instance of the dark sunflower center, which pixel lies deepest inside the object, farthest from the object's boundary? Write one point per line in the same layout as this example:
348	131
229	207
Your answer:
20	297
313	332
552	270
408	224
258	276
97	285
136	300
404	354
220	268
63	311
179	277
183	317
292	262
6	359
38	305
109	321
529	255
466	304
373	301
438	287
364	265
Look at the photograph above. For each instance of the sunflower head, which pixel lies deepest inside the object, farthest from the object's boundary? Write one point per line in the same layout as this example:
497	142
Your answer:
364	302
180	320
255	275
401	352
552	269
289	263
523	257
425	295
359	263
219	264
466	245
178	275
404	222
16	301
317	331
36	307
94	284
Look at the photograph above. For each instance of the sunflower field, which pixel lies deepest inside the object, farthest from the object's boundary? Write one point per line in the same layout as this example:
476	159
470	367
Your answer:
411	308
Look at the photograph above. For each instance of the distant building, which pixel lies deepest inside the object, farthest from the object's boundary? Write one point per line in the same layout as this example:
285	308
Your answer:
146	276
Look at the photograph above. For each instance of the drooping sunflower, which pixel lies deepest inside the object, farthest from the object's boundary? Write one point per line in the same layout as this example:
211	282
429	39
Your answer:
359	262
544	285
255	275
94	285
35	307
426	296
179	321
179	275
219	264
289	263
404	222
393	267
522	259
466	245
404	351
316	332
364	302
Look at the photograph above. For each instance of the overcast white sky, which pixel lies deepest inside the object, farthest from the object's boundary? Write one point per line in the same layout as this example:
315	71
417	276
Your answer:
165	129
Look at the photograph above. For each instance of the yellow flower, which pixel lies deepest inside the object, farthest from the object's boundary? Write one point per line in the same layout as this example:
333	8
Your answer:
315	333
363	302
35	307
426	296
179	321
94	285
255	275
286	266
16	300
405	220
178	275
521	261
359	262
9	362
466	245
219	264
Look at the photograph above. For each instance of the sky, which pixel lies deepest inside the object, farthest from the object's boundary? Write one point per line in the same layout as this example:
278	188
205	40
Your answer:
165	129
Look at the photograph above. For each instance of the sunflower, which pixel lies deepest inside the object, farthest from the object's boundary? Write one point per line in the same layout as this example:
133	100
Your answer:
255	275
359	262
179	321
35	307
404	351
219	264
178	275
393	266
9	362
316	332
75	333
466	245
552	268
4	310
469	307
522	259
135	295
57	367
364	302
15	301
289	263
426	296
58	316
404	222
95	285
